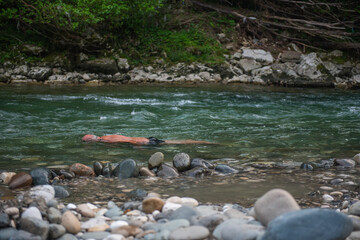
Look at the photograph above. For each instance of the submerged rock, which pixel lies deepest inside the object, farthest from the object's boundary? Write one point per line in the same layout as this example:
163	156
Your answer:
181	161
126	169
40	176
98	168
20	180
225	169
199	162
167	171
345	163
107	170
82	170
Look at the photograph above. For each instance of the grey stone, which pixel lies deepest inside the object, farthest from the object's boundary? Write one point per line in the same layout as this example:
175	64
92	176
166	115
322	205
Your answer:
98	167
95	235
309	224
354	236
241	232
35	226
263	73
211	221
167	171
56	230
7	233
61	192
40	73
33	212
259	55
174	224
355	209
4	220
308	66
357	158
290	56
181	161
126	169
218	230
13	234
198	172
52	203
249	64
92	222
113	212
45	191
156	160
54	215
199	162
107	170
345	163
40	176
184	212
192	232
100	65
274	203
21	70
123	64
67	236
225	169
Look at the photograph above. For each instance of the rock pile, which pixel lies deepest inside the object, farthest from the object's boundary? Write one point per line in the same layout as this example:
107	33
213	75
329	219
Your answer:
275	216
254	66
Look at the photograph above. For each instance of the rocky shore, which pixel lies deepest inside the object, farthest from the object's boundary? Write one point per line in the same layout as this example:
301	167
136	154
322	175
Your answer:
245	66
40	209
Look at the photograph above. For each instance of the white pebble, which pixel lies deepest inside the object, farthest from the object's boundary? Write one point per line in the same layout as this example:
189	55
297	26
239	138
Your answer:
327	198
91	206
133	213
174	199
32	212
101	212
71	206
170	207
189	202
115	237
117	224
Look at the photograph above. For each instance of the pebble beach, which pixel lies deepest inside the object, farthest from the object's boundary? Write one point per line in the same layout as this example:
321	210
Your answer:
47	205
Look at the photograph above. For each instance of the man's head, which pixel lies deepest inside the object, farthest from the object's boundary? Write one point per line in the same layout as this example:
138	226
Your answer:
90	138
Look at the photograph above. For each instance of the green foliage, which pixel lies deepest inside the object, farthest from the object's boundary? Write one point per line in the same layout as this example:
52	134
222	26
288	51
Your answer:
180	46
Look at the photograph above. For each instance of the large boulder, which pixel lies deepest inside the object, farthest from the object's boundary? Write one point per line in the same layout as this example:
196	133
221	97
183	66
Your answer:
310	66
259	55
100	65
40	73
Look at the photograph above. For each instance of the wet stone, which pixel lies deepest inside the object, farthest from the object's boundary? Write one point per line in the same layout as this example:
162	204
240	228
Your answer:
345	163
4	220
107	170
98	167
35	226
306	166
325	163
145	172
199	162
156	160
66	174
181	162
56	230
61	192
20	180
126	169
165	171
225	169
337	225
40	176
198	172
82	170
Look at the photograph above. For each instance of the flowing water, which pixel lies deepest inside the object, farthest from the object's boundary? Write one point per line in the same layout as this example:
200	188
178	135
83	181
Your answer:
43	126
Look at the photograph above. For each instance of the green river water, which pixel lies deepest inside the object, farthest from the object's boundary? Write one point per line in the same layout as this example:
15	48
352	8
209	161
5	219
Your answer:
43	125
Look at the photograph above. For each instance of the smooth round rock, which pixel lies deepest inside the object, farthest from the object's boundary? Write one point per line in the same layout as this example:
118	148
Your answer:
169	206
35	226
70	222
145	172
85	210
118	224
82	170
61	192
54	215
12	211
181	162
151	204
56	230
127	231
95	235
274	203
46	192
98	168
346	163
5	177
32	212
355	209
241	232
12	233
115	237
20	180
225	169
166	171
40	176
192	232
357	158
156	160
309	224
126	169
67	236
184	212
113	212
92	222
174	224
198	172
191	202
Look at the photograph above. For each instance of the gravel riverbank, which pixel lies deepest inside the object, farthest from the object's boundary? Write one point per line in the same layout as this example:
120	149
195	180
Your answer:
47	210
